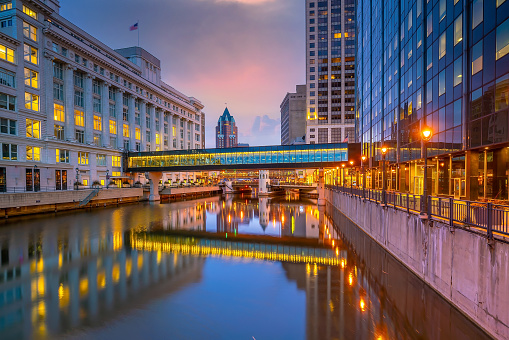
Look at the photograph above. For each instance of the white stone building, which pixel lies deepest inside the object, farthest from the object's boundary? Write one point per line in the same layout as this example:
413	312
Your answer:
70	105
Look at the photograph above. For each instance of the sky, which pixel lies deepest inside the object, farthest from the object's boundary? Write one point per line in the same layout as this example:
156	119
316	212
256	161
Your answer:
244	53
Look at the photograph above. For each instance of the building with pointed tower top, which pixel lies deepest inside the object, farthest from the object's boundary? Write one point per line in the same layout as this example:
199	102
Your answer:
226	131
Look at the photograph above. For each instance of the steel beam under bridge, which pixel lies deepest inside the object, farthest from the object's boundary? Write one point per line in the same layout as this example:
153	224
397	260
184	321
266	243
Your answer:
308	156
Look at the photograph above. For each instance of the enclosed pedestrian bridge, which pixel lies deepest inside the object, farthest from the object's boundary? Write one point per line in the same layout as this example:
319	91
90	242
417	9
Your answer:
307	156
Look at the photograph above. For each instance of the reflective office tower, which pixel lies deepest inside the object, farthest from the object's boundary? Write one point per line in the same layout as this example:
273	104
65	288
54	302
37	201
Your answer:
330	71
70	105
226	131
293	117
443	64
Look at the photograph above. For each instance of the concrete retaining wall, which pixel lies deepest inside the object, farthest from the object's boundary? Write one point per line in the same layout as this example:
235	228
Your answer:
459	264
40	202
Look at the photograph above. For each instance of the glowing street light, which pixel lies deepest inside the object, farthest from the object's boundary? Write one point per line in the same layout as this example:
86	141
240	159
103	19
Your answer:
384	152
426	134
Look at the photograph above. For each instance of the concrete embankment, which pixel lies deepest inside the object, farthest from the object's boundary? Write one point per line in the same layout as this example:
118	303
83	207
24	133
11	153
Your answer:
459	264
17	204
173	194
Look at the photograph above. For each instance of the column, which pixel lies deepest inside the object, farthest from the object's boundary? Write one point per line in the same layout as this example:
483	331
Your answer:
186	130
89	110
48	83
69	101
119	113
170	133
105	103
132	124
152	112
178	131
154	178
143	115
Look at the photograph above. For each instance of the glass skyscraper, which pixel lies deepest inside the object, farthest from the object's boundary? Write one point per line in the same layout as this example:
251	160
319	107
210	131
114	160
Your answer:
443	64
330	71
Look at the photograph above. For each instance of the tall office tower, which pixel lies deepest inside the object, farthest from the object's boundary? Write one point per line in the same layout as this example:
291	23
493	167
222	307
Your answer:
226	131
444	64
70	105
293	116
330	71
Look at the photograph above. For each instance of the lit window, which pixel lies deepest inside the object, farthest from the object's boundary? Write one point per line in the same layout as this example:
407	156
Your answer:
31	78
442	46
477	57
30	54
477	13
503	39
7	53
97	123
62	156
429	25
125	132
58	112
158	139
458	29
33	153
500	2
29	12
79	119
116	161
5	6
29	31
113	127
101	160
33	128
137	133
31	101
83	158
442	8
441	83
458	71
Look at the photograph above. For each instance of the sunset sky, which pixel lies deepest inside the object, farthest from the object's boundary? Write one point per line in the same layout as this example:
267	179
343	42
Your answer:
247	53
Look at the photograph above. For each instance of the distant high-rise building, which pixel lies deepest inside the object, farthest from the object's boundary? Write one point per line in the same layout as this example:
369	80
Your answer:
330	71
226	131
293	116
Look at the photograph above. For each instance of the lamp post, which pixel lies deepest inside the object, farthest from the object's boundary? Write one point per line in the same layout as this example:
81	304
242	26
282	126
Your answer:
35	176
343	174
426	134
107	178
384	152
76	183
363	159
351	179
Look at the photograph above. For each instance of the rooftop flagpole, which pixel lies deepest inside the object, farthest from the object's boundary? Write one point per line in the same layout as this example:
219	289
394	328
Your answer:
138	22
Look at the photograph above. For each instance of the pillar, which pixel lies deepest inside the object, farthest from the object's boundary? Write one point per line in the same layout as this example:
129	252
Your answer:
152	112
105	120
89	110
48	82
143	118
154	178
263	183
132	124
69	101
321	188
119	108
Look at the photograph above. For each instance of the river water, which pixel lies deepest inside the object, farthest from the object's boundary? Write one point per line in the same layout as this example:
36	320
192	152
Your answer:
215	268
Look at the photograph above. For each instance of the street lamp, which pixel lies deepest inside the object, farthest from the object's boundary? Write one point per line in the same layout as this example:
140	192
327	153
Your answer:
426	134
351	180
363	159
384	152
76	183
107	178
343	174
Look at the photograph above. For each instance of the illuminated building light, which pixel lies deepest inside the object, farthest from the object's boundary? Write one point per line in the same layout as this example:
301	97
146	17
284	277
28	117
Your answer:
362	305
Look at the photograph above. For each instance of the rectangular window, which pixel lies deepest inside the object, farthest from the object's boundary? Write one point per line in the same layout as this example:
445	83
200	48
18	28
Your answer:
33	153
96	87
410	19
442	46
31	101
147	122
458	29
116	161
113	127
500	2
419	100
59	132
458	71
113	110
429	57
5	6
78	79
502	93
441	83
58	91
31	78
79	118
97	139
62	156
29	31
158	139
58	112
125	114
477	13
96	104
58	70
429	92
442	7
83	158
80	136
137	118
101	160
97	123
8	126
78	98
137	133
29	12
7	102
7	78
30	54
429	25
9	152
125	131
503	39
477	58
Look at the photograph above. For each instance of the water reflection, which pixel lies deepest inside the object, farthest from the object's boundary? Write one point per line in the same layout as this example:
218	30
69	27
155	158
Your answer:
87	274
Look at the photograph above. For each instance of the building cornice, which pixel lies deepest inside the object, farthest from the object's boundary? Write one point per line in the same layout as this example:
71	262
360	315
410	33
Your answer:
9	39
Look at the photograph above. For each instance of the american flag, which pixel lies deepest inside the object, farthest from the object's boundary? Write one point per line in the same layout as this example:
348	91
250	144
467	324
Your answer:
133	27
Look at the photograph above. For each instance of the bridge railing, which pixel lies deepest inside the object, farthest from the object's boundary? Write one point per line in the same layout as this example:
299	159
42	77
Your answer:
486	216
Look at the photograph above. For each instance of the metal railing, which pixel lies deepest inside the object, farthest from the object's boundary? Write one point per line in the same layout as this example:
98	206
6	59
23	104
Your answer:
493	218
13	190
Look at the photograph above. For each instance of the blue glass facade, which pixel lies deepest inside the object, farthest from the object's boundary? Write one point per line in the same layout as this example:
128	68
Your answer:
443	64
